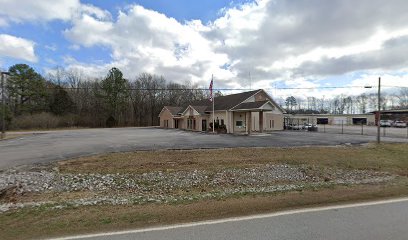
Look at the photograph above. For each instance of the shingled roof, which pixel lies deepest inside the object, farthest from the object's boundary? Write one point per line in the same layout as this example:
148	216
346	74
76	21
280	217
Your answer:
250	105
225	102
174	110
200	109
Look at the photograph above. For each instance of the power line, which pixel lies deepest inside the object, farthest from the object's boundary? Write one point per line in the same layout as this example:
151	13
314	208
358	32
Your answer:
389	86
227	89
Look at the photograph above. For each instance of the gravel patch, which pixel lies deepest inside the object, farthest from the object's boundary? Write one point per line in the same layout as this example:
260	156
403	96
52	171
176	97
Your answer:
171	187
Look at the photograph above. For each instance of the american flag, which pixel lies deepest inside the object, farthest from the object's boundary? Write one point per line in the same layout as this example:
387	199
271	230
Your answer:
211	90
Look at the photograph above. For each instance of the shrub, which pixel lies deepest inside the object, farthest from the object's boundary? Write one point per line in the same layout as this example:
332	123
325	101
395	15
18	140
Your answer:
44	121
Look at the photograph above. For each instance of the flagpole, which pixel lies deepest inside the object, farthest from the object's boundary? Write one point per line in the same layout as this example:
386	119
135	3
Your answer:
213	100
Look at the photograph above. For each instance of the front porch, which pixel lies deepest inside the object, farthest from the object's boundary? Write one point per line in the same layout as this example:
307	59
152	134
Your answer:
248	118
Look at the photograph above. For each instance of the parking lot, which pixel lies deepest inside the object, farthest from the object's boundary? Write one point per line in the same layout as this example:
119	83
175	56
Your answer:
365	130
58	145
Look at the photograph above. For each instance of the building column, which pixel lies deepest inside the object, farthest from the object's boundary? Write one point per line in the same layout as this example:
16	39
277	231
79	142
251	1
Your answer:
227	122
261	121
249	118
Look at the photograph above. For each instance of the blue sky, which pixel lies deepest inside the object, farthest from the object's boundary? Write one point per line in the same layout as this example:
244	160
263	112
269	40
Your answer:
182	10
52	47
302	43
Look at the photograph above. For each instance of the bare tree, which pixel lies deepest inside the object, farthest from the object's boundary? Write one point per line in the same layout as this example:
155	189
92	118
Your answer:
403	98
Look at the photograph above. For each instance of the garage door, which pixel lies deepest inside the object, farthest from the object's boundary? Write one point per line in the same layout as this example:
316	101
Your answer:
359	121
322	121
339	120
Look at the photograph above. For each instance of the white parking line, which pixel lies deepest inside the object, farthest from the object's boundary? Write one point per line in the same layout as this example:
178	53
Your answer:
283	213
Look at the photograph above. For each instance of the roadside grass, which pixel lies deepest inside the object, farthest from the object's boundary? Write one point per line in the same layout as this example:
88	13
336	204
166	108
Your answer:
13	136
46	129
40	222
29	223
384	157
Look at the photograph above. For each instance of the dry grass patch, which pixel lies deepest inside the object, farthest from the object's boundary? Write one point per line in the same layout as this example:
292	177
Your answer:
384	157
13	136
37	223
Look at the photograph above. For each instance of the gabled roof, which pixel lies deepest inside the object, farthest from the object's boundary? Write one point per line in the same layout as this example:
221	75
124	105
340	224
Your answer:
250	105
174	110
225	102
200	109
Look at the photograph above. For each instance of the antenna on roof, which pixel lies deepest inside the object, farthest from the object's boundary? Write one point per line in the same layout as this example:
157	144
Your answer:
250	81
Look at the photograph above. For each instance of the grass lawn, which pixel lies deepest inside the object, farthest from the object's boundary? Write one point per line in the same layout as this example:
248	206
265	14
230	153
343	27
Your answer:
40	222
385	157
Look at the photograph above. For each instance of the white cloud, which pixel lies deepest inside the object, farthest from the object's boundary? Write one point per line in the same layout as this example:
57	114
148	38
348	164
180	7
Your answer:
145	40
273	39
18	48
51	47
74	47
290	41
293	43
44	10
3	22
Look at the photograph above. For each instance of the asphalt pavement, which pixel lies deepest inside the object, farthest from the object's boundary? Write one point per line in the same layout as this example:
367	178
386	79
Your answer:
51	146
380	221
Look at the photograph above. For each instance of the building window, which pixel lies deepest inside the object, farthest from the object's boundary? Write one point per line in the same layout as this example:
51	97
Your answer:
222	121
239	123
270	123
273	123
191	123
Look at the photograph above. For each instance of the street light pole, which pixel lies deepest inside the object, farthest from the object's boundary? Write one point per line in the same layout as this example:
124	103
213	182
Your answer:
3	107
379	112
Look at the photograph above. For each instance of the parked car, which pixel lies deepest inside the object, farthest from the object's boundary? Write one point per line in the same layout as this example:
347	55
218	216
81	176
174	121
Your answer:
296	127
385	123
310	127
400	124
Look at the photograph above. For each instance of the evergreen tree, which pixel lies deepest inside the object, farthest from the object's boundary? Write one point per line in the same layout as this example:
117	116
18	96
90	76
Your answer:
114	92
27	90
290	102
61	103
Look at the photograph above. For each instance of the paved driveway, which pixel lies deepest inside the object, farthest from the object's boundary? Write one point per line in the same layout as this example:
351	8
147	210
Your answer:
58	145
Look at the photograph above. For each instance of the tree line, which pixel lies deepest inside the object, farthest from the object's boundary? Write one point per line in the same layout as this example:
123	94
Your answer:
67	98
343	104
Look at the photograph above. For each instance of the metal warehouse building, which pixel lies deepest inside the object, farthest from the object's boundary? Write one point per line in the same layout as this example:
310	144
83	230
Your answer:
331	119
394	115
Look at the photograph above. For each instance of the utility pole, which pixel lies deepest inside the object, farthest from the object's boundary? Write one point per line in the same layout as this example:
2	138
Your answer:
3	107
379	112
